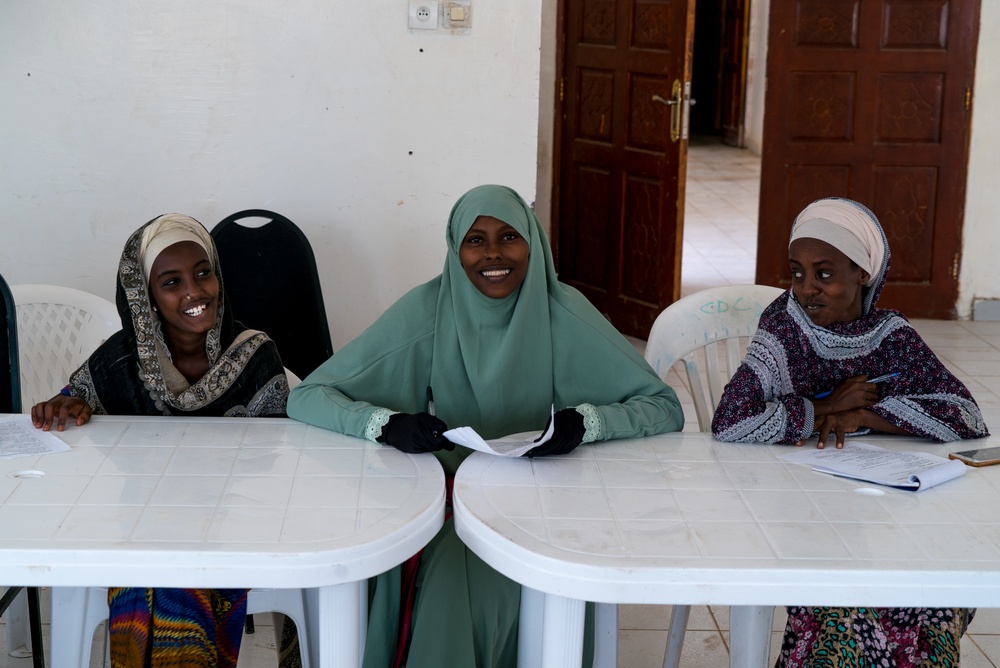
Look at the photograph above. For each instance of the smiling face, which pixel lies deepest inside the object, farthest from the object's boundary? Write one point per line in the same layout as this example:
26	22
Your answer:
825	282
494	256
185	290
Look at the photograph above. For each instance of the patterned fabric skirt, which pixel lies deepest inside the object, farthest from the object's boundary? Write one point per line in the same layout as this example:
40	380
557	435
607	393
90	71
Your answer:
883	637
176	628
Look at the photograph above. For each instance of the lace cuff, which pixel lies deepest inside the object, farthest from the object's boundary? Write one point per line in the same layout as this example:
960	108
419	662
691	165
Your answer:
375	423
591	422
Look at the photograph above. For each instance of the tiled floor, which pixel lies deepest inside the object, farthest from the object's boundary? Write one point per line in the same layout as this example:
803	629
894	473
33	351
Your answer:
720	238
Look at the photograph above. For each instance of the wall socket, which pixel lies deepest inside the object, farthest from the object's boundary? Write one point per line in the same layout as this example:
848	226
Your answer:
423	14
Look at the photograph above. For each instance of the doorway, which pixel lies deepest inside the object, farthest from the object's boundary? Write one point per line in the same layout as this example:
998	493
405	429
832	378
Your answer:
719	69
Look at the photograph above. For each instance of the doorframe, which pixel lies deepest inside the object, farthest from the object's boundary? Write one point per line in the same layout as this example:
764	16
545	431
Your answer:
548	96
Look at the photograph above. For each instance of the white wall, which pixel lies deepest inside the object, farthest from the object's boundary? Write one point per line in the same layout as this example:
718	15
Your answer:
979	277
335	114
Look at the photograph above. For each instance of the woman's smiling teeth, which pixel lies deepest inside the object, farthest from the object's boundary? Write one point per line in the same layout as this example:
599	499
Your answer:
196	311
495	273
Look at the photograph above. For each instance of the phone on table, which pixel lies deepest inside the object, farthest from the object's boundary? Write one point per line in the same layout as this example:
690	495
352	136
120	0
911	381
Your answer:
980	457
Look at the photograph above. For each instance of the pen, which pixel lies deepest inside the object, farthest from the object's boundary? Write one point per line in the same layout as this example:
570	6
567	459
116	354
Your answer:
430	400
879	379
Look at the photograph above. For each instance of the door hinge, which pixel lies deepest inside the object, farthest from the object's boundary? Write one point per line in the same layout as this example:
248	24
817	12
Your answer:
562	88
954	267
968	97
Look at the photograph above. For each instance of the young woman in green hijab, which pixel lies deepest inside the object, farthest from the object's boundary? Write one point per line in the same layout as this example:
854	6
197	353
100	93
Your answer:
500	340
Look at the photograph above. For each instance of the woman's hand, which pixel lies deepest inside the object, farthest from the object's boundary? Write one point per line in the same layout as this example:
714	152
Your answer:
853	393
415	432
847	422
839	424
58	409
567	433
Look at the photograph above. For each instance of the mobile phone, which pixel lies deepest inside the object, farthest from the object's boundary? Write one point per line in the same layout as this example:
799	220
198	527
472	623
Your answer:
980	457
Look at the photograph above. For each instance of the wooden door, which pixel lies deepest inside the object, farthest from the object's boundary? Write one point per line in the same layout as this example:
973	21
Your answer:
732	96
618	205
871	99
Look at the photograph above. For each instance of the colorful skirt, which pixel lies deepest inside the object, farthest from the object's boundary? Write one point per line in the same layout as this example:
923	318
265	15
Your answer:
884	637
176	628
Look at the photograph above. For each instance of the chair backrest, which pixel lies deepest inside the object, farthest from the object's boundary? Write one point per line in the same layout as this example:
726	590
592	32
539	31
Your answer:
272	284
708	332
10	381
57	330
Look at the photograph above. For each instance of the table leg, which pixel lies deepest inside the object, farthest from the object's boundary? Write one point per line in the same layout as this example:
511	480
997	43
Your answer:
750	635
605	635
529	628
337	631
562	632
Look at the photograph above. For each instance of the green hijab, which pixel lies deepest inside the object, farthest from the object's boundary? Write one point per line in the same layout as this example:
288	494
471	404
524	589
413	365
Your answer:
493	357
497	365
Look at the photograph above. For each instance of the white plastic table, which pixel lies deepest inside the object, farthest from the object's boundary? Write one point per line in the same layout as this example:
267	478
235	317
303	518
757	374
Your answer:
683	519
218	503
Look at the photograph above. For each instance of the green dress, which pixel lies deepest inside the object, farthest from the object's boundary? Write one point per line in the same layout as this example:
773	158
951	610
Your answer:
497	365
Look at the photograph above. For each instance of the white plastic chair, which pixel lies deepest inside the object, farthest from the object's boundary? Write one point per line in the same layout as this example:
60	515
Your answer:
57	330
707	333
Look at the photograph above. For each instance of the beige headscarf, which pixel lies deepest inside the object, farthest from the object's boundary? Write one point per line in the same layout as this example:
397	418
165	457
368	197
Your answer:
847	226
167	230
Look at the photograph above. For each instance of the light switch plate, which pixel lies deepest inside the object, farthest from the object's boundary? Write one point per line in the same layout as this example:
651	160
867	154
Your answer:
456	15
423	14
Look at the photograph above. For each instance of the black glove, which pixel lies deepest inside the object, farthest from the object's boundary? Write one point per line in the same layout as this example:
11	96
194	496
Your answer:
415	432
568	434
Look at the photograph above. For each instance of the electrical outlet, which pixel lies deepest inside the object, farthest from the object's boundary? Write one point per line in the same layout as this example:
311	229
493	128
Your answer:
423	14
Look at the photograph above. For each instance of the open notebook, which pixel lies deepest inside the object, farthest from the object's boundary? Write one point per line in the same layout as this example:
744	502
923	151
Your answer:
870	463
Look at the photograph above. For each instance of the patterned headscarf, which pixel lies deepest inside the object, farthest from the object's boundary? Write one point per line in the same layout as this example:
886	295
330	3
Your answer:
132	372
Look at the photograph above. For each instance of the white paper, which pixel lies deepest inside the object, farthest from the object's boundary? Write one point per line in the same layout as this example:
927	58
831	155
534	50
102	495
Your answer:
863	461
19	438
514	445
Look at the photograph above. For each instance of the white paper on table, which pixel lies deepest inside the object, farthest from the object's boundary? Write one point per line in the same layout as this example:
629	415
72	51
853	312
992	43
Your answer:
19	438
863	461
514	445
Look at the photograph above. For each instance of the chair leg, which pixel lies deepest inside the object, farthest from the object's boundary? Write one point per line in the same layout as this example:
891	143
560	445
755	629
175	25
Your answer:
675	636
18	638
35	624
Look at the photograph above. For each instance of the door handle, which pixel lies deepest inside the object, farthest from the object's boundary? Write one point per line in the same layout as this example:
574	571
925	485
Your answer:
679	112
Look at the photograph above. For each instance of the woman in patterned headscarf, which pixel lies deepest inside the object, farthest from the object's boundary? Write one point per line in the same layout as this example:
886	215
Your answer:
806	373
179	352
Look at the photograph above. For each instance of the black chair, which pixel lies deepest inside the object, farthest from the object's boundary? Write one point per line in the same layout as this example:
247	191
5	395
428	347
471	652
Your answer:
272	285
10	402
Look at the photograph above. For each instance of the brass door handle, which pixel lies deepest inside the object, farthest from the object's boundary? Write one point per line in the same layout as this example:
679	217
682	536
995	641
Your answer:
678	111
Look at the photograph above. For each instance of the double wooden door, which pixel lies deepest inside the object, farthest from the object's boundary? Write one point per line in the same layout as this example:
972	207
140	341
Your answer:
871	100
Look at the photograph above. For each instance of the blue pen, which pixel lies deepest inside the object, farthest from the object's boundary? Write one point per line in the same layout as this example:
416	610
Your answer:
879	379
